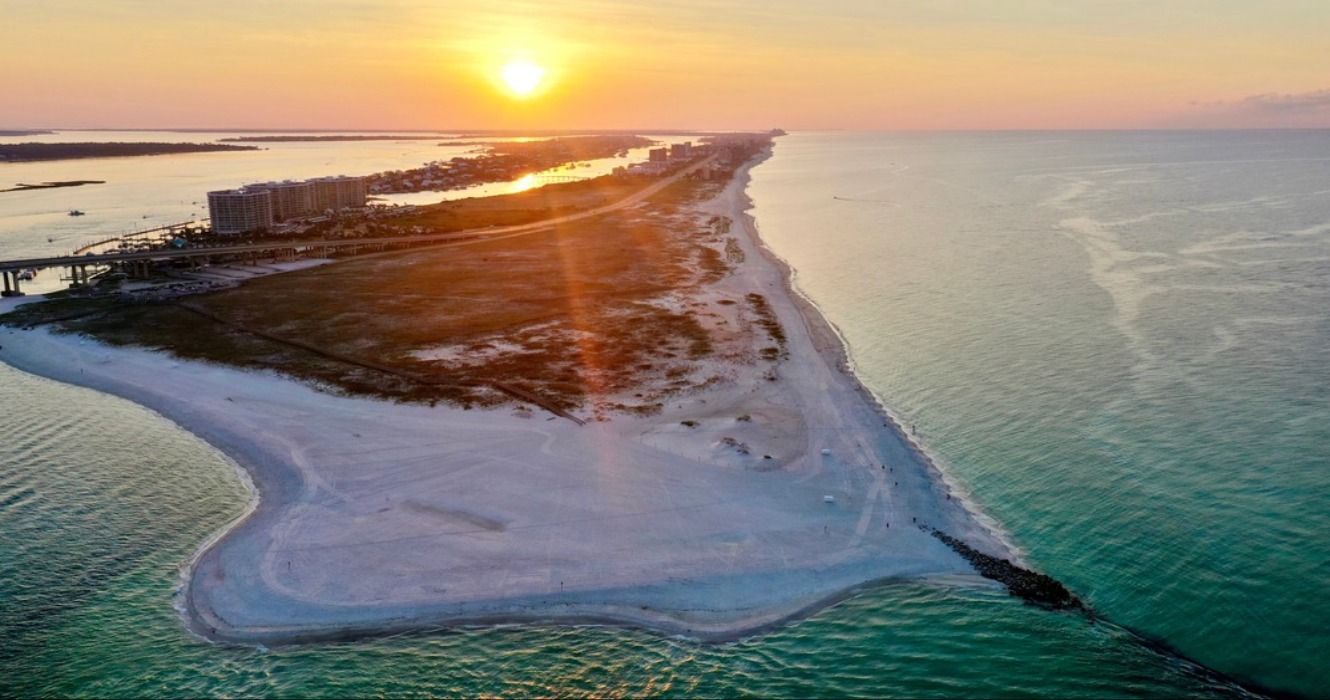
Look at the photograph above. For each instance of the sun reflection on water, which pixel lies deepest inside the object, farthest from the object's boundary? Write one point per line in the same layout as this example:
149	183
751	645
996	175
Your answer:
524	183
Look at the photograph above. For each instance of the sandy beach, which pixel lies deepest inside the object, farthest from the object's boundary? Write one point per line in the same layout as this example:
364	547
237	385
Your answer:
735	508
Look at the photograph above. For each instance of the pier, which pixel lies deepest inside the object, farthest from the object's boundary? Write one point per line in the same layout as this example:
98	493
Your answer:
548	179
164	233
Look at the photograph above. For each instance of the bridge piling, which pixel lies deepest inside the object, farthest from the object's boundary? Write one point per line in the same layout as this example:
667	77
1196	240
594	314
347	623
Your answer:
78	276
13	291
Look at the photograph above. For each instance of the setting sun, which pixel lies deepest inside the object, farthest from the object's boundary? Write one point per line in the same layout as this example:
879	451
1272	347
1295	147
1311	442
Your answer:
522	77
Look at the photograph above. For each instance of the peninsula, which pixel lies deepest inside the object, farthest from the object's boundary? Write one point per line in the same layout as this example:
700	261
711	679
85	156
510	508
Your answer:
27	152
618	412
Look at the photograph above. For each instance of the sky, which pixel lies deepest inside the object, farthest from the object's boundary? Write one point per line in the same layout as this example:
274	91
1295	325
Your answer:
687	64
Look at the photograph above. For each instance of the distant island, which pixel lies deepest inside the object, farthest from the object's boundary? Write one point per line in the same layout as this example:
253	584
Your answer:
474	133
28	152
25	132
504	162
48	185
299	138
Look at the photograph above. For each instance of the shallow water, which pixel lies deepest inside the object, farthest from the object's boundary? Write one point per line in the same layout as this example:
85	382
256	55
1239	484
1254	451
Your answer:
1117	342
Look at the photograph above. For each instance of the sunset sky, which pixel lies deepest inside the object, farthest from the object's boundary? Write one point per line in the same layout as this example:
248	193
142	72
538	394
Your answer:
853	64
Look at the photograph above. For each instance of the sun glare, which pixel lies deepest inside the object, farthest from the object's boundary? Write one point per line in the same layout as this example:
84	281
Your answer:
522	77
522	184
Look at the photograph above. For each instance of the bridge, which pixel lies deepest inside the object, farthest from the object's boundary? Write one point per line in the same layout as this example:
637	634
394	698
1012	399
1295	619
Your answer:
139	262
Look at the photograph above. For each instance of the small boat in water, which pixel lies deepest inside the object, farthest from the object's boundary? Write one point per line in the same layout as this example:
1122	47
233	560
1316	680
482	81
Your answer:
27	274
76	212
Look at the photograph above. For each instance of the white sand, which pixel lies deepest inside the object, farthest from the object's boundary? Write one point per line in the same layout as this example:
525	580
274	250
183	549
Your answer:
379	517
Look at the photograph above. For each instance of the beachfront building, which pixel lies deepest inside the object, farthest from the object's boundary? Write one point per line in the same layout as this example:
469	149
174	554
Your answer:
658	155
262	204
681	151
339	192
290	200
240	211
649	169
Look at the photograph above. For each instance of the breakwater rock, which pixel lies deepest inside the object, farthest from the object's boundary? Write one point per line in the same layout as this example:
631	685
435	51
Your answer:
1030	586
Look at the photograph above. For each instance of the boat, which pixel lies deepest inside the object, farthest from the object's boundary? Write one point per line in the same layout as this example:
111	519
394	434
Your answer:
27	274
76	212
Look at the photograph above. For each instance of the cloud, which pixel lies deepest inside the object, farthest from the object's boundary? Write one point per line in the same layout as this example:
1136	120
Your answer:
1309	109
1302	102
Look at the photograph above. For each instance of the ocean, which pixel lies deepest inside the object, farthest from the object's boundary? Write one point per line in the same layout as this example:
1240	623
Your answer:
1115	342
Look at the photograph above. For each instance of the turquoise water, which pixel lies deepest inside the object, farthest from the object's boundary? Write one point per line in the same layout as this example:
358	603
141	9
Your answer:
1117	342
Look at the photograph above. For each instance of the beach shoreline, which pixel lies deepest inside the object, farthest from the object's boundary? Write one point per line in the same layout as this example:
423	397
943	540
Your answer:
835	345
235	589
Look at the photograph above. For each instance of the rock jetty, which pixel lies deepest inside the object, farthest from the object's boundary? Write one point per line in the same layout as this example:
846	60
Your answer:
1030	586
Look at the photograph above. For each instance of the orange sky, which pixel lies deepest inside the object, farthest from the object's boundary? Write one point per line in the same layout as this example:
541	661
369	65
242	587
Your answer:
880	64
